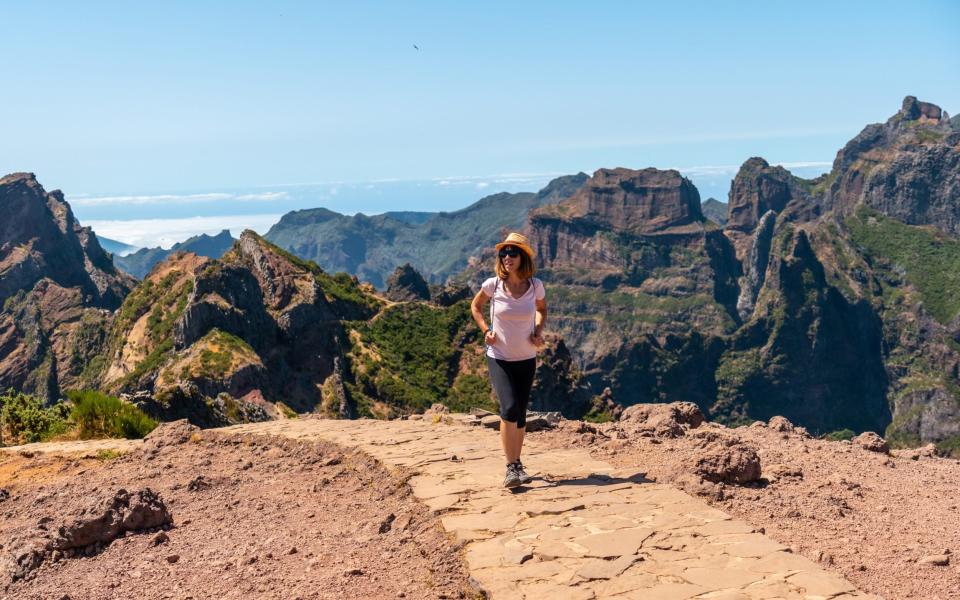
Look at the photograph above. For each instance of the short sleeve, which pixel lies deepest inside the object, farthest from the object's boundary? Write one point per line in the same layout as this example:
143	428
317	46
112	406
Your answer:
538	292
489	287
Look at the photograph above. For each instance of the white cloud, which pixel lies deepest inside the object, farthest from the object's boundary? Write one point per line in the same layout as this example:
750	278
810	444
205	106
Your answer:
167	232
173	198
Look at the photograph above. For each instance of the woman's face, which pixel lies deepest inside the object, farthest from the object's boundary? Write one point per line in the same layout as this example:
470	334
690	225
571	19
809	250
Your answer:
510	258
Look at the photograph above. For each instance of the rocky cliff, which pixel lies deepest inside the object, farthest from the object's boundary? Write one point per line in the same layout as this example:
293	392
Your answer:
57	287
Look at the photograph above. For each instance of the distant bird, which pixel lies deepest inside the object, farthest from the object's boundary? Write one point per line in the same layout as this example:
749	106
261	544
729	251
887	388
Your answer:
415	47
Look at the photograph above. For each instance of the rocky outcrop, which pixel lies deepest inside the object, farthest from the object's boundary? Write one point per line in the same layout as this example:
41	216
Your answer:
649	201
907	168
86	531
406	284
57	286
809	353
40	238
757	189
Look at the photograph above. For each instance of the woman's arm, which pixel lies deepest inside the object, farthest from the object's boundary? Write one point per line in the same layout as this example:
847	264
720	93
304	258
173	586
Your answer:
540	320
476	309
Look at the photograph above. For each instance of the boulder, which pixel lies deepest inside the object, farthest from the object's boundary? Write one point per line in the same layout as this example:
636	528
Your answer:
722	463
869	440
661	420
781	424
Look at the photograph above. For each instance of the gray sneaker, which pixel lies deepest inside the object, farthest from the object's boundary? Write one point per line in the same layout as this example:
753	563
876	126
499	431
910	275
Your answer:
512	479
521	473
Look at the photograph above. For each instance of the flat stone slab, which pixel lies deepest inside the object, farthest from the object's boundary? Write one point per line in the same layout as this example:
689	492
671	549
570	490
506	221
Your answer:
81	448
579	529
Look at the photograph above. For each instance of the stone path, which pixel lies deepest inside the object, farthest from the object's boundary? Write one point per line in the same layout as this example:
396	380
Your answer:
580	530
80	449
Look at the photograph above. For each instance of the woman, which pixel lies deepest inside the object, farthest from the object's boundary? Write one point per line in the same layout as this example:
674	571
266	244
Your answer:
517	314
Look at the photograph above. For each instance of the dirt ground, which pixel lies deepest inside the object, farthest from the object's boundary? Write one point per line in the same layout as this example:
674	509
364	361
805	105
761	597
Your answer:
262	518
878	519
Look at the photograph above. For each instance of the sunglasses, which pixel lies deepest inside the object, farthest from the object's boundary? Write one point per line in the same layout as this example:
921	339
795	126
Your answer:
510	251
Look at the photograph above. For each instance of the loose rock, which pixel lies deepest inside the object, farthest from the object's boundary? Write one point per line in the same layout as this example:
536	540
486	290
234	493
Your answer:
781	424
662	420
869	440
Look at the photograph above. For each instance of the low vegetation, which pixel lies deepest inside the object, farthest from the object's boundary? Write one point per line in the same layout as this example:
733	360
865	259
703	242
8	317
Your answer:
24	419
928	259
86	415
96	415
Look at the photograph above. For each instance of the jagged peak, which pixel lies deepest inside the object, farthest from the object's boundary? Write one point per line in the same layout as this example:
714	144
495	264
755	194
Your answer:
18	177
915	110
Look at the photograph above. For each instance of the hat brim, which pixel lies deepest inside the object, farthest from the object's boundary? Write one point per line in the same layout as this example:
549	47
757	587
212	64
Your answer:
523	247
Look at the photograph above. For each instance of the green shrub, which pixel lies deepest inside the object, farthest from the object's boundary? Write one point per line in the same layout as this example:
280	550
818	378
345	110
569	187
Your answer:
24	419
930	258
840	434
949	447
96	415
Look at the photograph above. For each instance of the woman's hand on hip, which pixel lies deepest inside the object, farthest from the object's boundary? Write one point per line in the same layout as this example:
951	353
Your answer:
536	338
489	338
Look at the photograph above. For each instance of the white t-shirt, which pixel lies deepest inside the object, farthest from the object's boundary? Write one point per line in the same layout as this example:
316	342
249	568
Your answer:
513	319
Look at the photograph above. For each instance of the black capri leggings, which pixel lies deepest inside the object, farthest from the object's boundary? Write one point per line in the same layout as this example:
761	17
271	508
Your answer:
512	380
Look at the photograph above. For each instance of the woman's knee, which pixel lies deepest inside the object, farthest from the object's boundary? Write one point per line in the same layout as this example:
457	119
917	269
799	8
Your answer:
510	413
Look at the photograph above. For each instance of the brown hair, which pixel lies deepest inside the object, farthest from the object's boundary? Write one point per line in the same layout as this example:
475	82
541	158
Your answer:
525	271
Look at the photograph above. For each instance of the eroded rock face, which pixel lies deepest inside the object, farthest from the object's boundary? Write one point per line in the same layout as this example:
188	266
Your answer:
757	189
57	286
645	201
406	284
907	168
619	201
755	270
450	294
40	238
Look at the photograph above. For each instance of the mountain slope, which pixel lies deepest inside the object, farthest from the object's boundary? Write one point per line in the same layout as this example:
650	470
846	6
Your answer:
140	262
438	246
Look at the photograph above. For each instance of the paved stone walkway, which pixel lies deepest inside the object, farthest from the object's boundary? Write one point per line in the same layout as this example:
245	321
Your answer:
579	530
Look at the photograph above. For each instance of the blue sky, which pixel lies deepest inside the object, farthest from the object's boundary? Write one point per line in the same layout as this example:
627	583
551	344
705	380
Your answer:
186	99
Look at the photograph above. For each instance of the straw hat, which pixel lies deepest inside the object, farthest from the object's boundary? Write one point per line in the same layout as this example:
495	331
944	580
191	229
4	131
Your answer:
520	241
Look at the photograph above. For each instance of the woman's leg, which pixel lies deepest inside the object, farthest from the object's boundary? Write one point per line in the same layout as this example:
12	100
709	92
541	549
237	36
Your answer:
511	440
501	380
522	382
